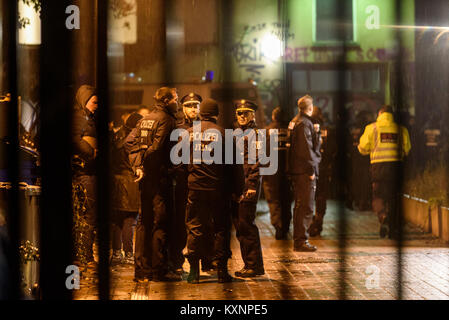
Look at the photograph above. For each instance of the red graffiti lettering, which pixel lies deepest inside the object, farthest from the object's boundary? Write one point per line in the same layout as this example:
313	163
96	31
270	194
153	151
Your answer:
297	55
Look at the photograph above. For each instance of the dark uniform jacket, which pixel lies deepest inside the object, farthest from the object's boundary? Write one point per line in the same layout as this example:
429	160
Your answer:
184	124
83	125
181	170
251	170
149	143
204	176
328	148
226	178
304	147
281	143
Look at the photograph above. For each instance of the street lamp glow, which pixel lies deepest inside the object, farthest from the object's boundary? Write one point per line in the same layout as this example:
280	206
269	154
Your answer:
271	47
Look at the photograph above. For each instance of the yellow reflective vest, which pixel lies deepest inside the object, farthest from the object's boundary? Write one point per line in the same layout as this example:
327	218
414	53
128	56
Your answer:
384	140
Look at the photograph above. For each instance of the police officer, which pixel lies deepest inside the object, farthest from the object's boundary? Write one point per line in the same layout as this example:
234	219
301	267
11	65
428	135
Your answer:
278	198
387	143
85	151
328	152
244	213
303	160
209	186
190	108
149	148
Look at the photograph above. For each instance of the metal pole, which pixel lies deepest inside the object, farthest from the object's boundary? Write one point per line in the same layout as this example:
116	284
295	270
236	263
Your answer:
103	160
55	143
341	125
399	104
13	217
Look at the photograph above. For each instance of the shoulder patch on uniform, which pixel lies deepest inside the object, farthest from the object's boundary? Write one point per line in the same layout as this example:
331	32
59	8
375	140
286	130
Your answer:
147	124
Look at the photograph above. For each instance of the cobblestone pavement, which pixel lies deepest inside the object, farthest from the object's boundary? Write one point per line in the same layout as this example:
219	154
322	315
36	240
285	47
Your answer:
370	272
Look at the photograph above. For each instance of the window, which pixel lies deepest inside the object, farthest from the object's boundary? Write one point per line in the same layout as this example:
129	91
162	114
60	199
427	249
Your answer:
300	81
328	24
360	80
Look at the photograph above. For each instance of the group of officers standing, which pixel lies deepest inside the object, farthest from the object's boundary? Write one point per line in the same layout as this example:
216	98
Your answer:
208	197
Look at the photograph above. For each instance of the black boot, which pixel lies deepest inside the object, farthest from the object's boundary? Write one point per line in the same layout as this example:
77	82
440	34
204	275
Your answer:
223	274
194	275
206	265
316	227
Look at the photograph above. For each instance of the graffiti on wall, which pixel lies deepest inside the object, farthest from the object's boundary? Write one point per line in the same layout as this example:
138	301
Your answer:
248	52
251	58
278	29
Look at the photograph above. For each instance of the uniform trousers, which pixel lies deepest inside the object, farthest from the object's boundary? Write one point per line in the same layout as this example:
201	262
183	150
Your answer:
205	212
152	228
278	197
304	193
244	214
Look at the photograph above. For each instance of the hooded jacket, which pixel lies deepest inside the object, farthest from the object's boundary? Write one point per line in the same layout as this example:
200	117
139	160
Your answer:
384	140
83	125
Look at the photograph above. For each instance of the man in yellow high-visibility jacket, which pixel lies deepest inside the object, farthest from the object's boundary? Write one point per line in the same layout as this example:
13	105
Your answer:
387	143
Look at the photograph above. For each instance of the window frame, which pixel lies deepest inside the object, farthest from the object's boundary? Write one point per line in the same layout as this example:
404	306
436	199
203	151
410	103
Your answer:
333	42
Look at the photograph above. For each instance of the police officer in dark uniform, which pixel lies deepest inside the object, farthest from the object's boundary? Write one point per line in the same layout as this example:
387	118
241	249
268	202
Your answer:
328	153
209	187
244	213
303	160
190	107
85	151
278	197
149	148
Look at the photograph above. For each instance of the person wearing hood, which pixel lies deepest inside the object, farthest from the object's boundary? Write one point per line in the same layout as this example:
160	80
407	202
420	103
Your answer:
125	194
84	129
149	147
84	153
387	144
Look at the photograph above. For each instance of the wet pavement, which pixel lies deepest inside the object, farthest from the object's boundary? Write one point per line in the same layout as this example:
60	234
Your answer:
370	270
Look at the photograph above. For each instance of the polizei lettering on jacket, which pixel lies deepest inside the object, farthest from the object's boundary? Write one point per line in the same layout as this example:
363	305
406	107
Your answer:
208	147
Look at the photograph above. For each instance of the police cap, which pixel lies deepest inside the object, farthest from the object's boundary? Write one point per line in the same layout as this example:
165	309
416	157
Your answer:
191	98
245	105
